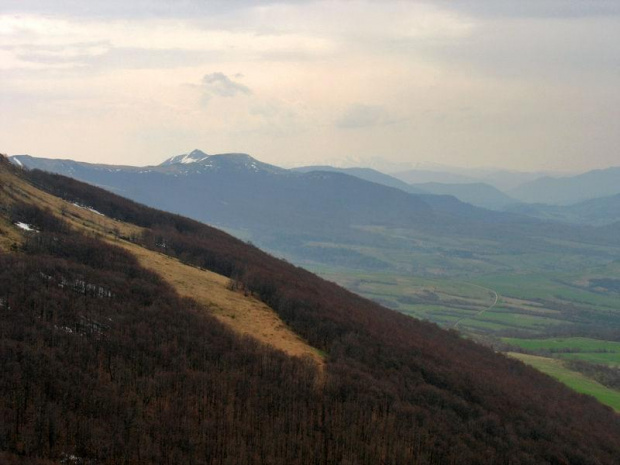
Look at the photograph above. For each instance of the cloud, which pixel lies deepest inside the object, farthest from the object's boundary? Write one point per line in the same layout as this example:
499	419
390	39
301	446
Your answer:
562	50
362	116
135	9
114	9
535	8
220	85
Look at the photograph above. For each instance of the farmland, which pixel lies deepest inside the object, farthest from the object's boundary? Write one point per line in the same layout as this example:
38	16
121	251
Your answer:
543	319
580	383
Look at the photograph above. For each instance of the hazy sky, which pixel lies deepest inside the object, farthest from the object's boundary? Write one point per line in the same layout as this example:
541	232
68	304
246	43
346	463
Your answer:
522	84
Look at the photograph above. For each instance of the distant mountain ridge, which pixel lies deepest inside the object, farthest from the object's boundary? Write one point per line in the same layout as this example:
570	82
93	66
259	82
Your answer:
238	191
597	212
367	174
478	194
190	163
570	190
298	214
502	179
475	193
421	176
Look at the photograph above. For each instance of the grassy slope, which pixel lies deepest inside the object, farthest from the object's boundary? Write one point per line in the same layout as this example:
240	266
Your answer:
580	348
243	313
573	379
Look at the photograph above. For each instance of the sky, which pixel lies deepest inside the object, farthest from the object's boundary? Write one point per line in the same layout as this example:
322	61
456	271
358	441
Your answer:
523	85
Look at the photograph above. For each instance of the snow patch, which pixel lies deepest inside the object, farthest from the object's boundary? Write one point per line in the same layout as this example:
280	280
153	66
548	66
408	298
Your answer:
85	207
94	211
66	329
191	158
19	163
195	156
25	226
70	459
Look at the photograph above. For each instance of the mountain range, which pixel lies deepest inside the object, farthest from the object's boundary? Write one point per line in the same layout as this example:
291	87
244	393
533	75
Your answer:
324	215
598	211
475	193
571	189
501	179
367	174
478	194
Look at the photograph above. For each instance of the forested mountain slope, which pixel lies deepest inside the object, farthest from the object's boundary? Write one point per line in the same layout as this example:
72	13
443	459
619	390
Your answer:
103	361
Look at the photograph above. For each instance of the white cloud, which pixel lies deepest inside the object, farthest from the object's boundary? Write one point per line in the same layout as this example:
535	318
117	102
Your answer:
218	84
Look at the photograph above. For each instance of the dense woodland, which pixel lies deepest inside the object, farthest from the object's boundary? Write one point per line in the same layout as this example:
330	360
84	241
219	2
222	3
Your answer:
101	362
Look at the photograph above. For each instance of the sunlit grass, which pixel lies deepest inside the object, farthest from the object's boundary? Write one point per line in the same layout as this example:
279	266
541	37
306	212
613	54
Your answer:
556	369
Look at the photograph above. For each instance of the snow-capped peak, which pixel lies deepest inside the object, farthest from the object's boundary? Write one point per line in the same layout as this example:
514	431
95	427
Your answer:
195	156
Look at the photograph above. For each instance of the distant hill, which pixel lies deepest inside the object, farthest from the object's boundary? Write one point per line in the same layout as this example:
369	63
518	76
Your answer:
596	212
421	176
501	179
478	194
367	174
107	356
570	190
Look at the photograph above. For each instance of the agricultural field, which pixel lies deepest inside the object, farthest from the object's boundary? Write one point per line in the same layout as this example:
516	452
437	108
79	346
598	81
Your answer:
526	306
556	299
550	318
576	348
575	380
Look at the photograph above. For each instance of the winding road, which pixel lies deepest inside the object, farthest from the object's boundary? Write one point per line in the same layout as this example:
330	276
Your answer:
496	299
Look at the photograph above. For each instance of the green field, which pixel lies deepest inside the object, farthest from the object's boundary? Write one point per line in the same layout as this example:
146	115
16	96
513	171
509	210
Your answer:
530	308
578	348
530	305
573	379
